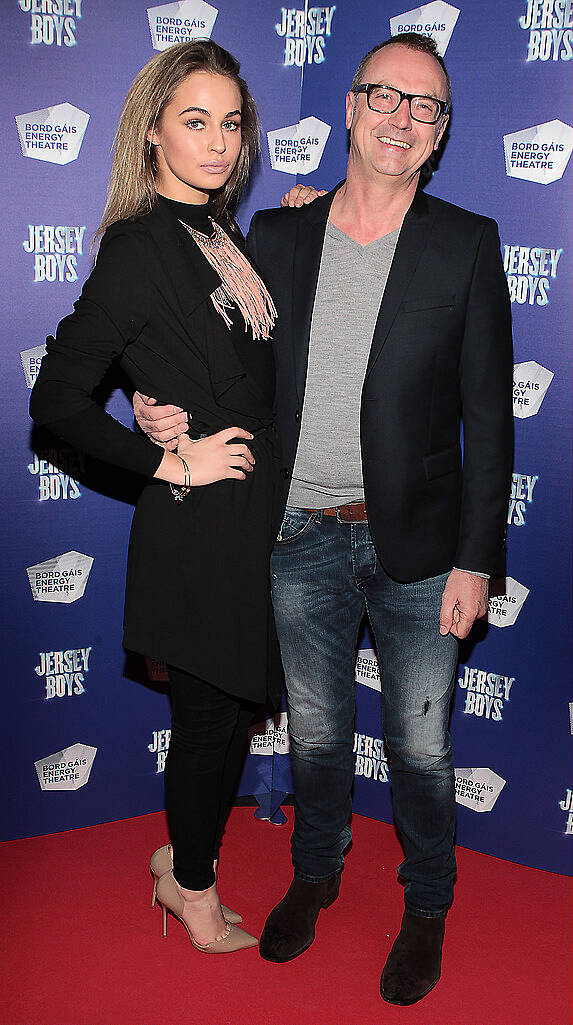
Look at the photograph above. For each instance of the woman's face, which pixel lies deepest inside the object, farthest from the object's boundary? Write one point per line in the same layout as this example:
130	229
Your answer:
198	138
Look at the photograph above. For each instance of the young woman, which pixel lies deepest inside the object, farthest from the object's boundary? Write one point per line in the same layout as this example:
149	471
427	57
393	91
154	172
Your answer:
174	299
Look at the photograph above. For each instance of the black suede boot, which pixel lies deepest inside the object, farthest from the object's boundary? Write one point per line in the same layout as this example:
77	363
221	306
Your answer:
289	929
414	963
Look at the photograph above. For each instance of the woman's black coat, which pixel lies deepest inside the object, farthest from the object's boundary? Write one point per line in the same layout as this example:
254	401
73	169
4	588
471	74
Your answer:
198	571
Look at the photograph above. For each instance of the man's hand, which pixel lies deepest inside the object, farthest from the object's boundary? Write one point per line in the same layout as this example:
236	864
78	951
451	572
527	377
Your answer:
300	195
464	600
163	424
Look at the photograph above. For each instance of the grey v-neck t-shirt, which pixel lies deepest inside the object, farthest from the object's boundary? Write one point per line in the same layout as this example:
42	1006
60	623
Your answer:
351	283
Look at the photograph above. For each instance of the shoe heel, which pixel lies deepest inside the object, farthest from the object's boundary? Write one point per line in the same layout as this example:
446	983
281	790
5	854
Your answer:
164	911
161	861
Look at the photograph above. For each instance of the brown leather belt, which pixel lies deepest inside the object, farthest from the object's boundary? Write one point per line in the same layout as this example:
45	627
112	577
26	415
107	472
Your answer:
354	512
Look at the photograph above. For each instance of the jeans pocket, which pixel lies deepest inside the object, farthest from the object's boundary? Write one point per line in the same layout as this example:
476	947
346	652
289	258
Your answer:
295	523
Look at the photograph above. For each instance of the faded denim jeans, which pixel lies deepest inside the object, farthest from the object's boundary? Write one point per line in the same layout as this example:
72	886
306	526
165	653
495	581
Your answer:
325	577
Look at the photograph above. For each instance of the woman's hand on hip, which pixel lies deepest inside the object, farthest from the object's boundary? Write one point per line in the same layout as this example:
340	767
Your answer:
220	456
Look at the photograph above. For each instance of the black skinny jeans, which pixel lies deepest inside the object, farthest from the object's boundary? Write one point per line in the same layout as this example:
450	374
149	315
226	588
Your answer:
208	738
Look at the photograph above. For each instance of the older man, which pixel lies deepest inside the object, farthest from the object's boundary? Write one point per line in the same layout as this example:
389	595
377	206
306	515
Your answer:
394	324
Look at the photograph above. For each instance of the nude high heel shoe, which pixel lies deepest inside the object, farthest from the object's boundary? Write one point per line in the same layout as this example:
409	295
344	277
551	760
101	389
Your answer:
161	861
171	899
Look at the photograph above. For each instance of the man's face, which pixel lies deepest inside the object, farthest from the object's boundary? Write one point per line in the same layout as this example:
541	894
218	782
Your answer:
394	144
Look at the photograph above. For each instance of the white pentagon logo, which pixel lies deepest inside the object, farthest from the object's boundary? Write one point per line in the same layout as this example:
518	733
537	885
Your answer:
31	362
539	154
367	669
61	579
54	134
68	769
180	22
270	737
298	149
503	609
530	384
478	789
437	20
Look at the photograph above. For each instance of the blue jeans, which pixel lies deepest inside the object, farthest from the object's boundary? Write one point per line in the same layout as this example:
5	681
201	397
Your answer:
325	576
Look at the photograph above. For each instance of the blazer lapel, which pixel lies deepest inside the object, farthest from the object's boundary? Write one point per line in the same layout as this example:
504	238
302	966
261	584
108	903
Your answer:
411	243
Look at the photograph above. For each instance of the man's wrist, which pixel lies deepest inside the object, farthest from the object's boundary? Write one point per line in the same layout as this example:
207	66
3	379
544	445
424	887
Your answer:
472	572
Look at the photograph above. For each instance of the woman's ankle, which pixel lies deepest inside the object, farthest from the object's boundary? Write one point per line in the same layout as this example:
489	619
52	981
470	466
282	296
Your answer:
209	895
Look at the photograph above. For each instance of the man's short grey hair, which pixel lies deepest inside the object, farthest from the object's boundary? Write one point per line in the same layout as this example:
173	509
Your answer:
413	41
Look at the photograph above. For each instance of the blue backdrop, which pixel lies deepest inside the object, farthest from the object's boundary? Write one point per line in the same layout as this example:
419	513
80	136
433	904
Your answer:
87	727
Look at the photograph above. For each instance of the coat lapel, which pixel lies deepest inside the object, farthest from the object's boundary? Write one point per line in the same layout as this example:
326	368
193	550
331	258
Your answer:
193	280
411	243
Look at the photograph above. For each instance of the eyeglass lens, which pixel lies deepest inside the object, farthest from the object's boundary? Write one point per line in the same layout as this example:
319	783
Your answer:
386	101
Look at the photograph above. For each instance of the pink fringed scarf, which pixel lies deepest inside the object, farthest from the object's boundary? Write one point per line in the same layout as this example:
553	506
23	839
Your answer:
240	283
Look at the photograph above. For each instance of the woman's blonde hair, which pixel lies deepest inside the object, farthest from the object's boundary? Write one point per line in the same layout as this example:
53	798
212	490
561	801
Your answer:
131	187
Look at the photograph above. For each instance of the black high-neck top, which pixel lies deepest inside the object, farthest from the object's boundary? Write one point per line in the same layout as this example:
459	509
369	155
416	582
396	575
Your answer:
196	215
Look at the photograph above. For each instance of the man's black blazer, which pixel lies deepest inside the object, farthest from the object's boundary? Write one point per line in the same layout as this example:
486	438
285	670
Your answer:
441	352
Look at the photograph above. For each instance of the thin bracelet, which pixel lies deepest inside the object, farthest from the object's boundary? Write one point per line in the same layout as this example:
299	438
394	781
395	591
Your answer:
179	491
187	482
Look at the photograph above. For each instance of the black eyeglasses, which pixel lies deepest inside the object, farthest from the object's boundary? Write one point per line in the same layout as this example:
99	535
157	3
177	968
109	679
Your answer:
385	100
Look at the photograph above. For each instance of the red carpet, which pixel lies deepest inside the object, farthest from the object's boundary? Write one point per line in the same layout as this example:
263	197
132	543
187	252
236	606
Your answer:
83	946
